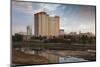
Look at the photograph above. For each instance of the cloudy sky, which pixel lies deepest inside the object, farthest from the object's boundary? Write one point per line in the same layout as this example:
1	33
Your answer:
73	18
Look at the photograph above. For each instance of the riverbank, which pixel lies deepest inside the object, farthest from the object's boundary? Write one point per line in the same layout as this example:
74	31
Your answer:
20	58
49	56
44	53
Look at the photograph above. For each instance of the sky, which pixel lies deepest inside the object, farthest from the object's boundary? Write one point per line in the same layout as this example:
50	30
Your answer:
73	18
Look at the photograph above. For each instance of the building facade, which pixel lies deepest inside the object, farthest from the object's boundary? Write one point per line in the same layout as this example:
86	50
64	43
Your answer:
45	25
29	30
61	32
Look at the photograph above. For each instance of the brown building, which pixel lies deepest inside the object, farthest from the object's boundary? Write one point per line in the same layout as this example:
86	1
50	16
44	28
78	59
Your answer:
45	25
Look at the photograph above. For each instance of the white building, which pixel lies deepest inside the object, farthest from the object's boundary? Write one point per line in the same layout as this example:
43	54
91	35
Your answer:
29	30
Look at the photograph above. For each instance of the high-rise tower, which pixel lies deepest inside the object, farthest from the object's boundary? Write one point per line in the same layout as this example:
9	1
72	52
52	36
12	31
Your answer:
45	25
29	30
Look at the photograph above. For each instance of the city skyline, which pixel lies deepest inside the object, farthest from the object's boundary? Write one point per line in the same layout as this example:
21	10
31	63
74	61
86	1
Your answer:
74	18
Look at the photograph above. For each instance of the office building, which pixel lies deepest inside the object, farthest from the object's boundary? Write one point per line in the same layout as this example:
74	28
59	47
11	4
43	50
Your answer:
61	32
45	25
29	30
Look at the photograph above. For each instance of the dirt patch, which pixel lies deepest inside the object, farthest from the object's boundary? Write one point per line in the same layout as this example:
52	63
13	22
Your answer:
19	57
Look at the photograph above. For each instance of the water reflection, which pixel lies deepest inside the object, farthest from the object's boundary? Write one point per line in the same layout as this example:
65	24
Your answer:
70	59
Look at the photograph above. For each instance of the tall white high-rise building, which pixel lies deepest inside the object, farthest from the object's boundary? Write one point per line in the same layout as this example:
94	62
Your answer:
29	30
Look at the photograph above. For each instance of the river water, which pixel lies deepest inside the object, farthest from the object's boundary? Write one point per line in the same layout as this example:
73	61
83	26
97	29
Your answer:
70	59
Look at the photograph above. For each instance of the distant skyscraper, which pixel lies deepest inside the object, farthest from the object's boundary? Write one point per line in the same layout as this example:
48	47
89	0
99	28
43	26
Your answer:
44	25
29	30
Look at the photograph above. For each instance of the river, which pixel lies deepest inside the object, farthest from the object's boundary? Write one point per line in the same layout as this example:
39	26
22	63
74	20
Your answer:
71	59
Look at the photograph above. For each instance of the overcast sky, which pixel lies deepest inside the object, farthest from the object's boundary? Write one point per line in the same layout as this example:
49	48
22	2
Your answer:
73	18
